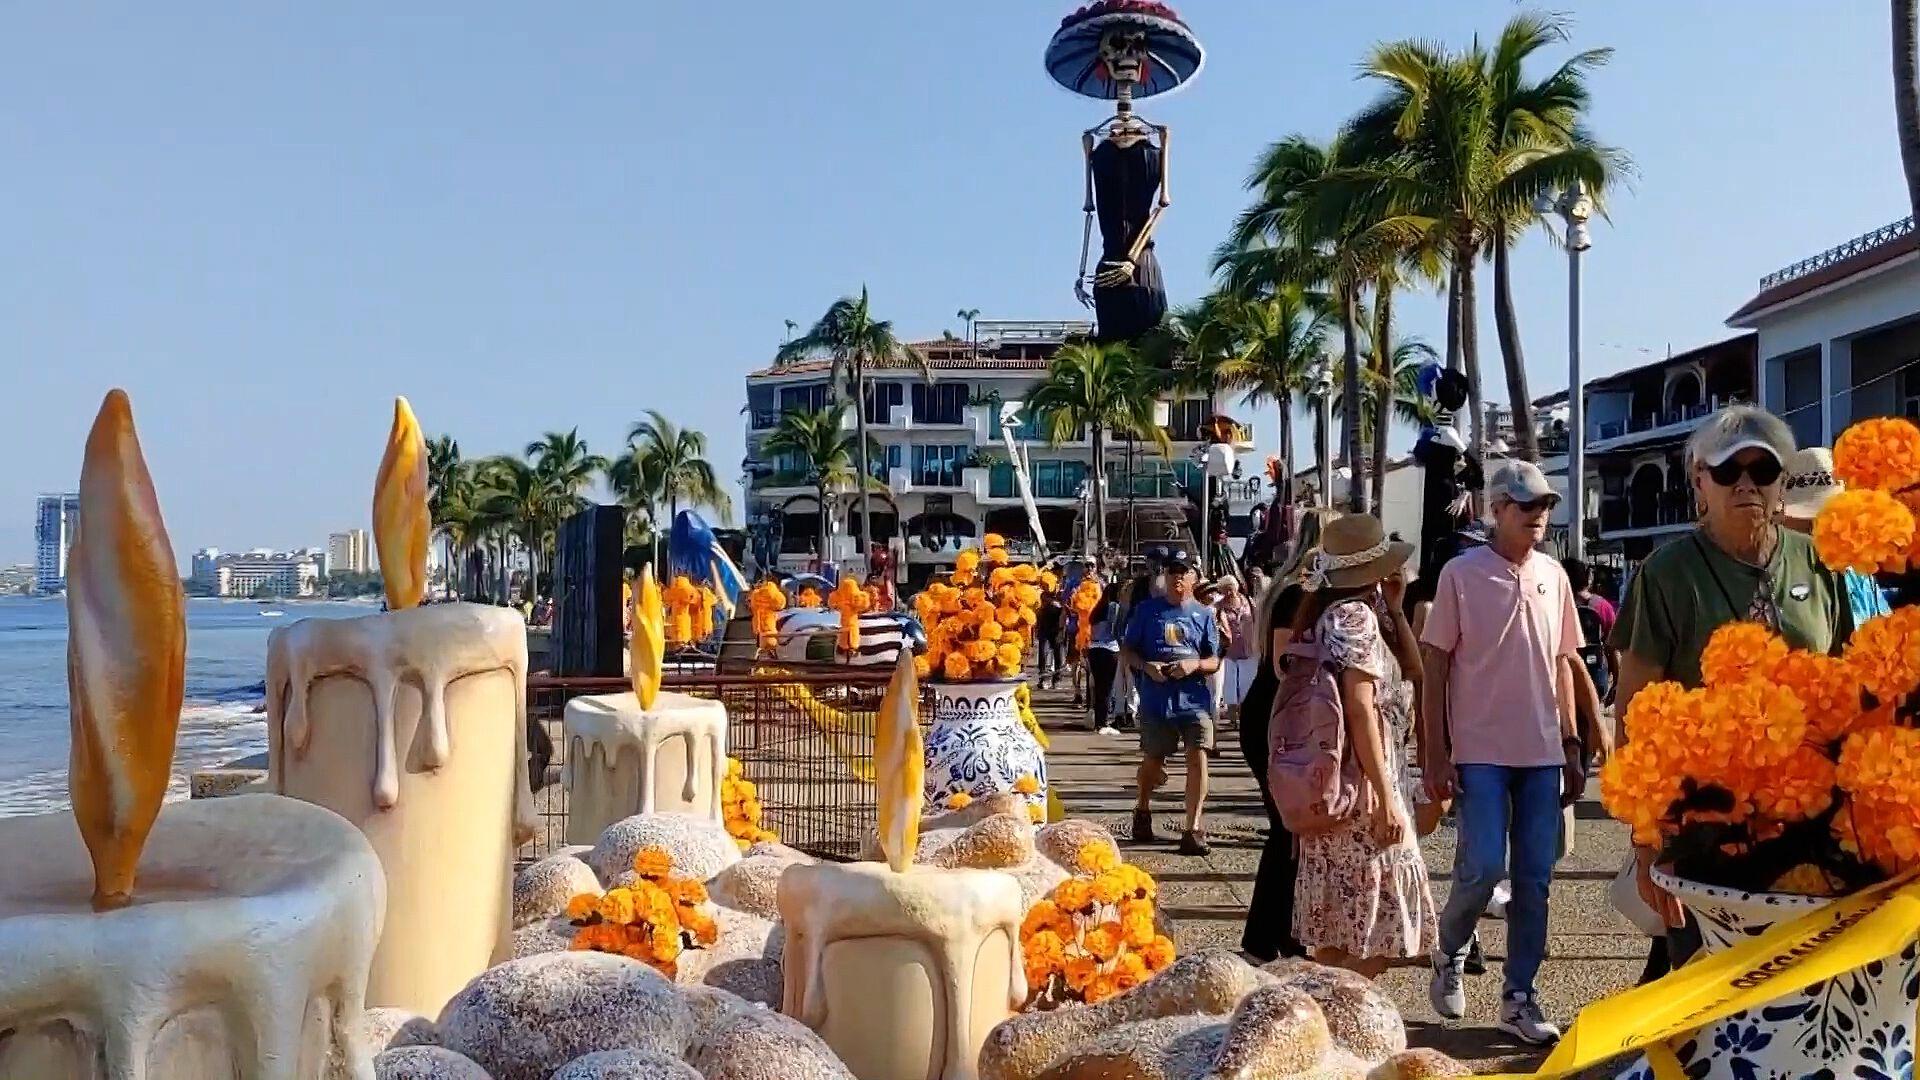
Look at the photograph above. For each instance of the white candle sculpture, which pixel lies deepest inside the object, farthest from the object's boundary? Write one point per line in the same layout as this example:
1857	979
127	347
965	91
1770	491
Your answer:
902	969
411	724
223	938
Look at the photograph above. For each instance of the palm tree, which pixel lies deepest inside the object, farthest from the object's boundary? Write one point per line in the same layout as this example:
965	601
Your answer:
636	483
819	438
678	457
565	468
1906	93
1102	387
1326	218
1464	140
967	315
445	474
517	500
1271	344
856	342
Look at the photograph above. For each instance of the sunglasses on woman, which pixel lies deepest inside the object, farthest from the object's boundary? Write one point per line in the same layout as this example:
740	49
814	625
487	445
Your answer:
1762	471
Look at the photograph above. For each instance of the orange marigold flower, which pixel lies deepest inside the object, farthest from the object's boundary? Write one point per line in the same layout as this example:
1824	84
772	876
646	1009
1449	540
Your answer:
1882	452
981	652
1638	785
1103	941
1750	725
1828	689
617	906
957	667
1129	972
1080	971
652	863
1026	784
966	562
1137	930
1073	895
1798	788
1740	651
1035	814
959	800
1661	708
1807	880
582	907
1095	857
1158	953
1043	916
1863	530
922	666
1885	654
1099	988
1108	888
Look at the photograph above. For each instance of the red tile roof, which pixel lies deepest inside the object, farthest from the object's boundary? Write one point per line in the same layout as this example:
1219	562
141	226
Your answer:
1856	256
941	356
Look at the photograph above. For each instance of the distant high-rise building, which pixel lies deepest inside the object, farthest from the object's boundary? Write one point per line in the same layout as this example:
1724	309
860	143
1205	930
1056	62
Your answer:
54	521
349	552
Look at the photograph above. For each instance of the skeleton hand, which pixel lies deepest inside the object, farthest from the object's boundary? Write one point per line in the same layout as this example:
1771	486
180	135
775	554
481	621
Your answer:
1114	273
1080	291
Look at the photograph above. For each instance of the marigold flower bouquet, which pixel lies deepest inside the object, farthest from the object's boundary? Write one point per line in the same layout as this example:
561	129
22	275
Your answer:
653	920
1093	936
980	619
740	808
1792	771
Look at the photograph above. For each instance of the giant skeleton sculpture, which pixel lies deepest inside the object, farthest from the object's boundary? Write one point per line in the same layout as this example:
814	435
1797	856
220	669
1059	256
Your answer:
1120	51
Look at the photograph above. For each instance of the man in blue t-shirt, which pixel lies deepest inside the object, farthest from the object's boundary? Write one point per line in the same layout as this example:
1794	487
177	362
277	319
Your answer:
1172	644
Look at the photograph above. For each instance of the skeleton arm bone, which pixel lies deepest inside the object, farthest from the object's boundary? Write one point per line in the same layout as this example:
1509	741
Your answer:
1086	230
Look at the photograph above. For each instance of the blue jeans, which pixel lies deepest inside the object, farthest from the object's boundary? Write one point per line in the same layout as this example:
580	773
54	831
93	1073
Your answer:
1498	805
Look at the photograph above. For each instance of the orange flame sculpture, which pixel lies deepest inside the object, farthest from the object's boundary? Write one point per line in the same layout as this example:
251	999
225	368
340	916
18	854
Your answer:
851	601
899	766
765	599
648	652
401	527
126	654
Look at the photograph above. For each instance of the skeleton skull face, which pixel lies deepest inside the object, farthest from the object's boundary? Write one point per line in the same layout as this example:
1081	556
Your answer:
1125	54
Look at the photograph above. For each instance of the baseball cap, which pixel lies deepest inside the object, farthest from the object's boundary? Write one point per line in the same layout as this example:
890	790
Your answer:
1740	427
1176	558
1519	481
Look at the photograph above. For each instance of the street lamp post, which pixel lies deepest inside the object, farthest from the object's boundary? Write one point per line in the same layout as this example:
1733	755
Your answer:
1320	389
1574	208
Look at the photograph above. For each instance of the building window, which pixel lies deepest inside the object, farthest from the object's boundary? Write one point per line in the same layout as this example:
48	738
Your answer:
1001	483
1187	420
881	399
762	407
939	403
887	459
811	398
938	466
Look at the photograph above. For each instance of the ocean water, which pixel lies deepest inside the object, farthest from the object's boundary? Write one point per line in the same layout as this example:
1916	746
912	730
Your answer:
223	716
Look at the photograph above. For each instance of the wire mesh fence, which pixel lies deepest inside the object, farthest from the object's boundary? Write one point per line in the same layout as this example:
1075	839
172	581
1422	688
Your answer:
803	734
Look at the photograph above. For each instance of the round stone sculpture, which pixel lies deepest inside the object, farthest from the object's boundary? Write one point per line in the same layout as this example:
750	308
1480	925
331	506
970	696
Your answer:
425	1063
542	890
389	1028
744	1042
626	1065
526	1018
700	848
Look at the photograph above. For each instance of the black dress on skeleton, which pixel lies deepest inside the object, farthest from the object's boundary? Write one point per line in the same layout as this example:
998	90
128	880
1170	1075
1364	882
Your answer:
1126	184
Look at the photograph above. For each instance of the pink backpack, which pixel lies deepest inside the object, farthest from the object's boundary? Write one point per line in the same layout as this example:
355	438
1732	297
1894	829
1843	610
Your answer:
1316	782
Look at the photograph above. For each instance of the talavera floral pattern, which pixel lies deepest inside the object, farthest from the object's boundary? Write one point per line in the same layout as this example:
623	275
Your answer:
978	747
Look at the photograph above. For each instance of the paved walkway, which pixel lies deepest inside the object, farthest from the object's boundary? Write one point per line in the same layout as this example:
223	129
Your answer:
1592	952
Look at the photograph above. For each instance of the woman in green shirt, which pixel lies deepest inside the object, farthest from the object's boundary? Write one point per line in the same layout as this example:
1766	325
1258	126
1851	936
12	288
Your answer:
1738	564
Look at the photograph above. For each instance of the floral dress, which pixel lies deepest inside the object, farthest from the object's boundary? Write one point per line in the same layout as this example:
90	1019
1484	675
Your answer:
1350	894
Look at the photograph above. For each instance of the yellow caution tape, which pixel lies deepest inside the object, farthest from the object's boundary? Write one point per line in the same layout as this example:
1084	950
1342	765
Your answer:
1855	930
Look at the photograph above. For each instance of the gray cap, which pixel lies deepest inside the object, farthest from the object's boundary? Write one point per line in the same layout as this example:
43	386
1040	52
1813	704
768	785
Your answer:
1519	481
1736	428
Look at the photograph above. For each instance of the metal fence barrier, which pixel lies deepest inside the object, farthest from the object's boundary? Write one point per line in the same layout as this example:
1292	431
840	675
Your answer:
803	734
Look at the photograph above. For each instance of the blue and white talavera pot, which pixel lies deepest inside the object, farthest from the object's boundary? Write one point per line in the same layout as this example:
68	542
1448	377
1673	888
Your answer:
1859	1025
978	746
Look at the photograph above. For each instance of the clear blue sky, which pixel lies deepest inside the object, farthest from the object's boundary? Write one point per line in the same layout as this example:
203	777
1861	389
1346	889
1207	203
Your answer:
264	222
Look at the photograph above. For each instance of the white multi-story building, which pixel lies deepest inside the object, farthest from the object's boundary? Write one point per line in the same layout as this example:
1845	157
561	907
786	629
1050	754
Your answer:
349	553
55	518
942	456
243	574
1839	334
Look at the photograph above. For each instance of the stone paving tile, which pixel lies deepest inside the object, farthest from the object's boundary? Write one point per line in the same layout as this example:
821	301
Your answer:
1592	950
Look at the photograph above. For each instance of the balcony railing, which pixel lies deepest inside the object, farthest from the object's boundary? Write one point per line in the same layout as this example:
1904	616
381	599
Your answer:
1613	429
1867	241
1624	512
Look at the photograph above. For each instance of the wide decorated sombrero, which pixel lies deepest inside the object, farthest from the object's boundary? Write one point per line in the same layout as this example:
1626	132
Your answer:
1174	55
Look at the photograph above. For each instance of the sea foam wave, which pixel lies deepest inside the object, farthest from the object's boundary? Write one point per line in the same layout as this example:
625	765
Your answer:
215	728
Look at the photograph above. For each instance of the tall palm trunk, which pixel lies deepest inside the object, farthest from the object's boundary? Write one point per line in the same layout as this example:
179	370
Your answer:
1350	390
826	528
1322	450
1452	333
1289	465
860	433
1100	489
1470	344
1383	399
1507	325
1906	94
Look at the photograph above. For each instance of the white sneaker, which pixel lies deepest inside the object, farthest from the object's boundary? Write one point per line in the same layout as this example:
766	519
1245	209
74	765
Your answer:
1447	991
1109	730
1502	896
1520	1017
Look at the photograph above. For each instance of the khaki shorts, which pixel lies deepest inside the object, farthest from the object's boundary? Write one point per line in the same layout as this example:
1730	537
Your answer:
1163	738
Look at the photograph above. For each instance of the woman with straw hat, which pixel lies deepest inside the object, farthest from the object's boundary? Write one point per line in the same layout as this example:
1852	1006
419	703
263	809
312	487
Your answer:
1361	899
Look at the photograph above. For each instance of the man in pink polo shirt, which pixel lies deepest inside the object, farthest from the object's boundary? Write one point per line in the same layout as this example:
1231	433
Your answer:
1497	653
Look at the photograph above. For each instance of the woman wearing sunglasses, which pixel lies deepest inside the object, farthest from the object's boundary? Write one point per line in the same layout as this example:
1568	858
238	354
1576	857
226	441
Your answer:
1737	564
